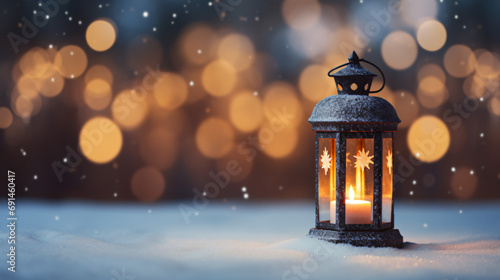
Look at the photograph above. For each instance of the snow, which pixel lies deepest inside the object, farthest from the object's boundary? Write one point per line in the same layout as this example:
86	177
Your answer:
244	240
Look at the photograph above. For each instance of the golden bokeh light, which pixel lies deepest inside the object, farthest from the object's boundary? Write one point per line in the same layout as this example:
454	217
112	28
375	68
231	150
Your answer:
251	77
428	138
198	44
431	97
129	109
97	94
416	12
35	62
192	75
278	143
399	50
171	90
101	35
71	61
431	70
144	51
431	85
52	52
488	65
27	87
100	140
281	105
431	35
407	107
431	91
245	111
301	14
494	106
238	50
347	40
315	84
459	61
219	78
214	137
334	59
474	86
159	148
52	83
463	183
23	107
147	184
99	72
5	117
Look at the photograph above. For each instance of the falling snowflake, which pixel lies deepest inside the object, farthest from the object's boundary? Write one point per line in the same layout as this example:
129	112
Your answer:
389	162
363	160
325	160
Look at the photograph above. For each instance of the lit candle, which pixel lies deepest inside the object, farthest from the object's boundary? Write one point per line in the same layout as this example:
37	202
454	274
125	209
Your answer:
356	211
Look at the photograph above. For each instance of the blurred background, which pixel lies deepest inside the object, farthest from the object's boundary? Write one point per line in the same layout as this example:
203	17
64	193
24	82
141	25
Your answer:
142	100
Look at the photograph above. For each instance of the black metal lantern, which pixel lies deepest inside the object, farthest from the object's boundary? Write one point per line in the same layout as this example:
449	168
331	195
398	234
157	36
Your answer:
354	162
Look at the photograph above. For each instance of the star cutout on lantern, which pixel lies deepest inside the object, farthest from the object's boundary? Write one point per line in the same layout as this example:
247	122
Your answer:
363	159
347	157
325	161
389	161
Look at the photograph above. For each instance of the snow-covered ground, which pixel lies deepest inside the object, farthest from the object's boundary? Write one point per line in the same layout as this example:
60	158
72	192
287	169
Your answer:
244	240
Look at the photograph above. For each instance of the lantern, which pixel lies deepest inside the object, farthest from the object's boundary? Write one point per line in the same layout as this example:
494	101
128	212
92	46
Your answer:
354	161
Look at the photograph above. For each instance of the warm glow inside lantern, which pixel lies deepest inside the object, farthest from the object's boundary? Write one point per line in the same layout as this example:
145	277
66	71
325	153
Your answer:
354	162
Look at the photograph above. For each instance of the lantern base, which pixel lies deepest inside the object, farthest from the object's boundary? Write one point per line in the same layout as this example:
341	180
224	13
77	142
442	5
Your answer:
384	238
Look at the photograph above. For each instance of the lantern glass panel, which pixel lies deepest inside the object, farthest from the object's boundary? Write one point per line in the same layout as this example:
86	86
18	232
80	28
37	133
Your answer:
387	164
326	178
359	181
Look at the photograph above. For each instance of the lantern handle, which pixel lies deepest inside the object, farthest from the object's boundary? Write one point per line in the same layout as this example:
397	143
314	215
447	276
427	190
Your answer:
362	59
383	77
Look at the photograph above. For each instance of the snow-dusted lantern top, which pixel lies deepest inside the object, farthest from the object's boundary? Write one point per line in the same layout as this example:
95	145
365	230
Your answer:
354	161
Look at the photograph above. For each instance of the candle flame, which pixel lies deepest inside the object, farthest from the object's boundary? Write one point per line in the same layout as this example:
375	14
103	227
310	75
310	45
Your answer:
351	193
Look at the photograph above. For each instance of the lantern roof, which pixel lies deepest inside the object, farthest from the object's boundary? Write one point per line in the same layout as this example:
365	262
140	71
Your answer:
353	68
354	113
353	109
